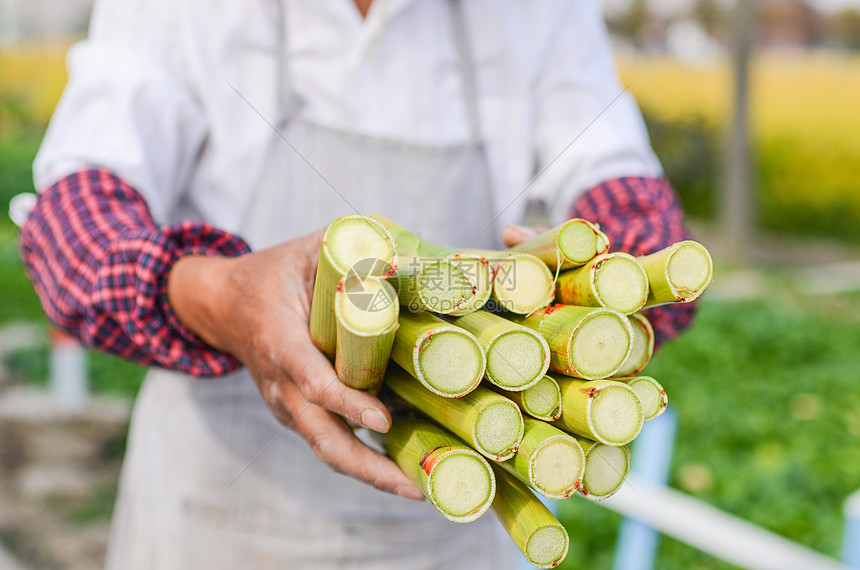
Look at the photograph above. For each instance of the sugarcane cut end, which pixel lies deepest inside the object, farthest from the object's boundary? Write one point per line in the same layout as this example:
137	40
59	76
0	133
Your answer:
461	486
547	546
367	306
543	400
621	283
523	284
689	270
517	359
578	241
451	362
606	468
651	394
557	466
360	244
499	429
615	414
444	287
601	344
643	347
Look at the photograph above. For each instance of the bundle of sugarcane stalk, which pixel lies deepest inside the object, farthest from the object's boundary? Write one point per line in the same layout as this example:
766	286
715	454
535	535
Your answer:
520	370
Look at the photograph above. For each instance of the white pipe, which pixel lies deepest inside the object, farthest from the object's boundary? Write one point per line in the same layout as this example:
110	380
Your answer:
713	531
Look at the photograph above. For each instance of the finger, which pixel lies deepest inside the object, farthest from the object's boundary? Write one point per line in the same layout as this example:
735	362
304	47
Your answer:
515	235
316	379
334	444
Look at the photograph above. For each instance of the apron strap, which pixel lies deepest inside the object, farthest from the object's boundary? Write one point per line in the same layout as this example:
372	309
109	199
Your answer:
467	70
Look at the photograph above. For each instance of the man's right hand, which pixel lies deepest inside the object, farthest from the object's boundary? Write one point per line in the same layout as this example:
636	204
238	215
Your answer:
257	307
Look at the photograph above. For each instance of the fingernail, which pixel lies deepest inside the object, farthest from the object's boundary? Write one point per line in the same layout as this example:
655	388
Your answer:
375	420
521	229
410	493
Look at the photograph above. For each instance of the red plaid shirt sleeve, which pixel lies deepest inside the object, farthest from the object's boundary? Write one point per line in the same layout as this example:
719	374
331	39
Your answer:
641	216
99	264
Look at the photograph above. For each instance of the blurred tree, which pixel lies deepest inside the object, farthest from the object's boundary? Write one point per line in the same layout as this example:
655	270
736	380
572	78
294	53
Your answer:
711	15
845	28
634	23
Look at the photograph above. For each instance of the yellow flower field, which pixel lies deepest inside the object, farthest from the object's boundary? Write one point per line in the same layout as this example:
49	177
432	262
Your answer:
805	115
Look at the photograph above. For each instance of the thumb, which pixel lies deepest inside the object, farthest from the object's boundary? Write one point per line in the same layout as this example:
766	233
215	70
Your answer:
515	235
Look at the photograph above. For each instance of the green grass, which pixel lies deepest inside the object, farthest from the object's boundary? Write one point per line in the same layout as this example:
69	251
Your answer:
769	430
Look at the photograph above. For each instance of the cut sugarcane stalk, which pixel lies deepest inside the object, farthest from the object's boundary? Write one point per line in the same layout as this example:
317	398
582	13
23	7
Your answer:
651	394
489	422
517	356
531	525
366	310
678	273
474	267
356	244
605	411
457	481
522	283
541	401
643	347
585	342
548	460
606	468
446	359
614	280
431	284
569	245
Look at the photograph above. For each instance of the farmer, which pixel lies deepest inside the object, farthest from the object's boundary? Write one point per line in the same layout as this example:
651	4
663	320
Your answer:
197	151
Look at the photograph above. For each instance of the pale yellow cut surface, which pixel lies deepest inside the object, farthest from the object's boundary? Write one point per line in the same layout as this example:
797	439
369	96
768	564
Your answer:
600	345
543	398
547	546
616	414
355	239
622	284
499	427
690	269
515	359
639	357
367	305
451	362
461	484
605	470
557	465
578	242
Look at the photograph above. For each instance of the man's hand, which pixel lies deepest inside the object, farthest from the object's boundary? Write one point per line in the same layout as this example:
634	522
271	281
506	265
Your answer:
256	307
515	235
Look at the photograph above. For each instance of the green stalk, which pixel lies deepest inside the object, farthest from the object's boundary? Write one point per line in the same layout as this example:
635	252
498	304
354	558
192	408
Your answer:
446	359
606	468
531	525
643	347
605	411
541	401
487	421
651	394
474	267
569	245
517	356
614	280
548	460
585	342
457	481
678	273
432	284
366	310
356	244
